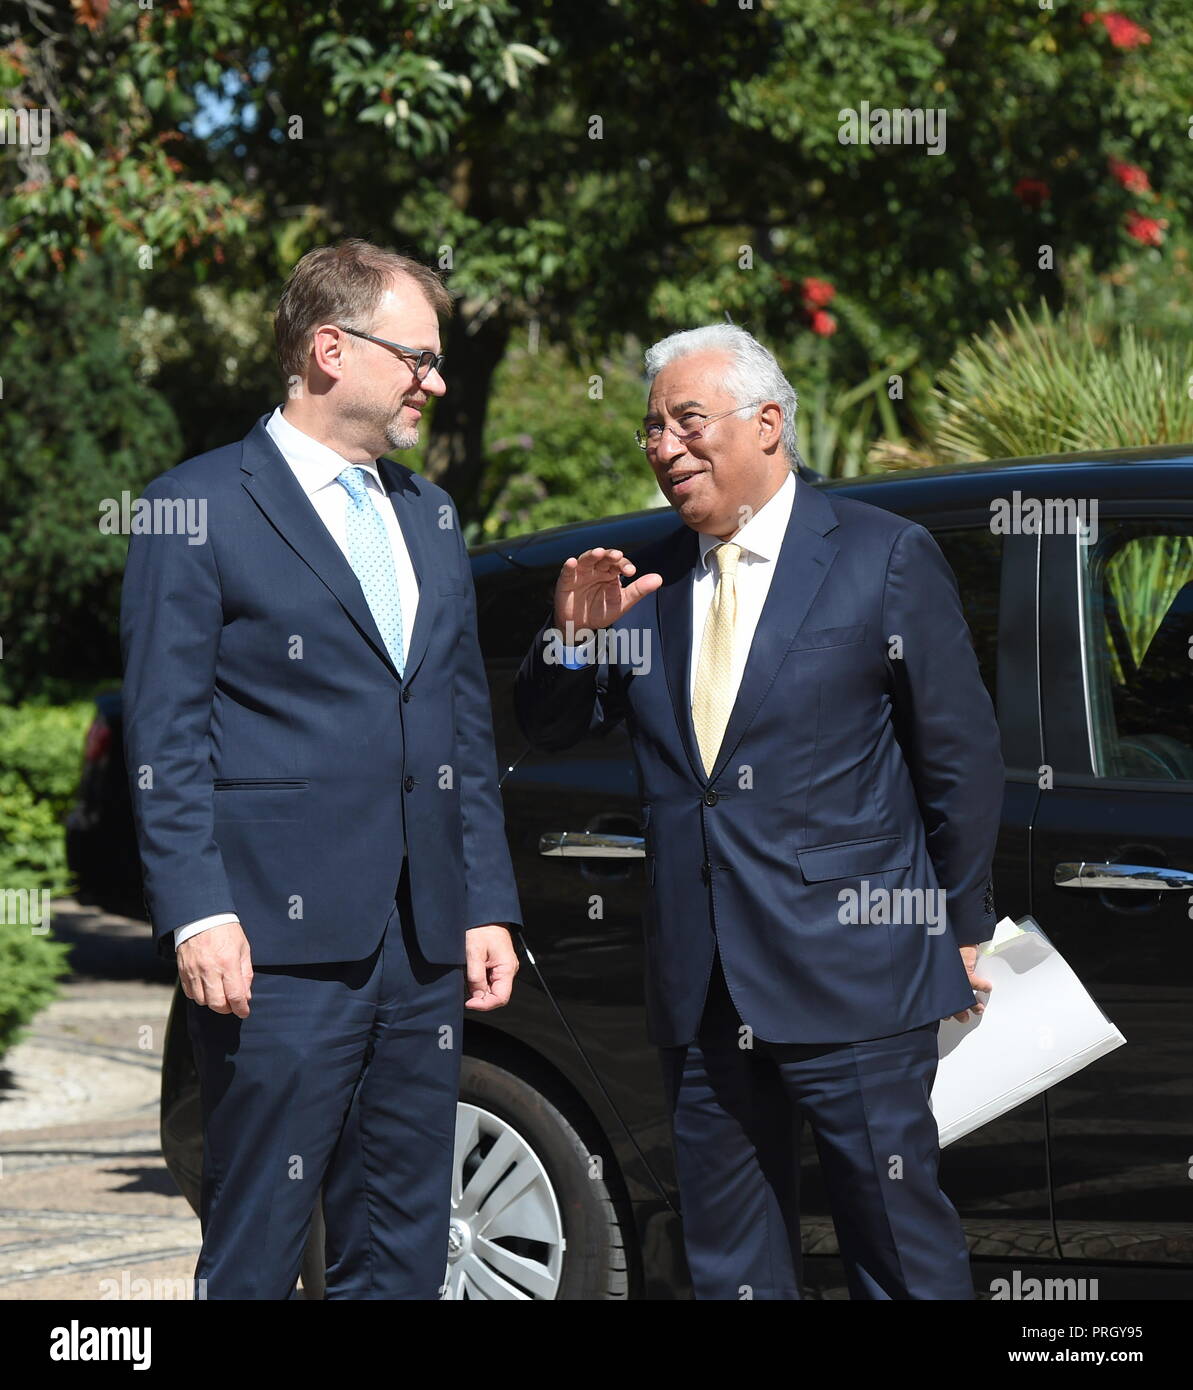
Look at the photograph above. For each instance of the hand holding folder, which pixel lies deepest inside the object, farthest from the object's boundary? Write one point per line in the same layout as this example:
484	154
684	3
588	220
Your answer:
1039	1026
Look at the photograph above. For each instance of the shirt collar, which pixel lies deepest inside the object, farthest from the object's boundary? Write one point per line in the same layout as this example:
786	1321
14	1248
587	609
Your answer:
762	536
313	464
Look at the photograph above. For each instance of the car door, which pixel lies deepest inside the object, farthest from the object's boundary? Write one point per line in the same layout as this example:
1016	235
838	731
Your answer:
1112	870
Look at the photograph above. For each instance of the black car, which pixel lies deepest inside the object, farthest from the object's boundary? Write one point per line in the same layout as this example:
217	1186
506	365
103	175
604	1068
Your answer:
1084	634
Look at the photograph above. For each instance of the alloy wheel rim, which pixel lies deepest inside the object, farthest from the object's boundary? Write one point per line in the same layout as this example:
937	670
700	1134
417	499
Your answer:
505	1237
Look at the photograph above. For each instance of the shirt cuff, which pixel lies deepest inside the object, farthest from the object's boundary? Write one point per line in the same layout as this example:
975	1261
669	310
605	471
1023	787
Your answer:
189	929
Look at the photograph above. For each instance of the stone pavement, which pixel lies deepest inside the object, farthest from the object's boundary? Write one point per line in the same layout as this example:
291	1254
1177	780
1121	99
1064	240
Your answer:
87	1207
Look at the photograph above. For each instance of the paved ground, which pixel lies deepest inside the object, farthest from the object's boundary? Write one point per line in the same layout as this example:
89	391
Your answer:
86	1204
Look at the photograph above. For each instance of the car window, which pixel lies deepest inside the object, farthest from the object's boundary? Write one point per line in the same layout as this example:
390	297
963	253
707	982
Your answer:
1137	639
512	605
975	557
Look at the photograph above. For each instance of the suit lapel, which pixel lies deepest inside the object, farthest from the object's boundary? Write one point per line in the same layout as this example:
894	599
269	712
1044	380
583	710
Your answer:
275	489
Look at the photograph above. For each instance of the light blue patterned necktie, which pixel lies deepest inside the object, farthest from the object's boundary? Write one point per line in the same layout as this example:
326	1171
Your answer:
372	557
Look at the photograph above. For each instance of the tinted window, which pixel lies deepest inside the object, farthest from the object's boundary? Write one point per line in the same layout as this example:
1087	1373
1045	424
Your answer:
975	557
512	605
1137	600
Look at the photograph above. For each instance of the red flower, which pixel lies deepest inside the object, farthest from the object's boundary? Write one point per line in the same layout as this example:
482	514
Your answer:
1146	230
1032	192
90	13
817	293
1122	32
1131	176
823	323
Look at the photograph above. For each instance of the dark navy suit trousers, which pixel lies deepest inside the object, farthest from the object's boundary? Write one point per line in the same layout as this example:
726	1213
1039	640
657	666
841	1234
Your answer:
738	1105
344	1076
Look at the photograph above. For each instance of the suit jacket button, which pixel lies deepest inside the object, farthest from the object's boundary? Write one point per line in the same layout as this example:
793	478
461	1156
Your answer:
406	695
409	784
705	871
710	797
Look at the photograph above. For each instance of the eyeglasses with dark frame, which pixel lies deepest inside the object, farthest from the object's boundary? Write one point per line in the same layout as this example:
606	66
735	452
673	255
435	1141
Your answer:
426	359
654	431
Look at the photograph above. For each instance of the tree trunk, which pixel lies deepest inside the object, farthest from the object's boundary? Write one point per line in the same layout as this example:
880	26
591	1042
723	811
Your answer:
455	457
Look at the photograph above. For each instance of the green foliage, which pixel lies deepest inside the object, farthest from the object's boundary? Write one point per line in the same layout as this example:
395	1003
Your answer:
1145	577
1053	384
600	169
603	173
561	443
30	967
77	426
1152	290
840	425
40	750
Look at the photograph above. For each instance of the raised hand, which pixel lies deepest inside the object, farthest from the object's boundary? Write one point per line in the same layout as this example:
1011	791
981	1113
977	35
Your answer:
589	594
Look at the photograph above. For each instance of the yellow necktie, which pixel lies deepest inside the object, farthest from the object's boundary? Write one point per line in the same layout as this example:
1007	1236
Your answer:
713	699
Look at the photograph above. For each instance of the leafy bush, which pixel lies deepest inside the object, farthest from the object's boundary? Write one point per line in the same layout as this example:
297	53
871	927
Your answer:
1053	384
556	453
77	427
40	748
39	772
29	970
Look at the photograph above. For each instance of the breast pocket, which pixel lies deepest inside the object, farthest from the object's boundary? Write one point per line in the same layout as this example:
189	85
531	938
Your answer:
852	858
260	799
829	637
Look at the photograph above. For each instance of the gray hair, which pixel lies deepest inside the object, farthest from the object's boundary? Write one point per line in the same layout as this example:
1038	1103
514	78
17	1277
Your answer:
752	373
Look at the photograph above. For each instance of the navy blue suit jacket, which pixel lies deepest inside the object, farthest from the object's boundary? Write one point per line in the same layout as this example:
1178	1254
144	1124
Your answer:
849	762
280	767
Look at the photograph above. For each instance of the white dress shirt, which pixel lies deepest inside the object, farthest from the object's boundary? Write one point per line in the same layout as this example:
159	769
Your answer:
316	467
761	539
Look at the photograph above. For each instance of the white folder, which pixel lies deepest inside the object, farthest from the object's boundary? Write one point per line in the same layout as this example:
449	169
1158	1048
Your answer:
1039	1026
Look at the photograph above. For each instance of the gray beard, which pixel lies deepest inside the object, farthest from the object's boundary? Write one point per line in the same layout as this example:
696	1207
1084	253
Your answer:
401	436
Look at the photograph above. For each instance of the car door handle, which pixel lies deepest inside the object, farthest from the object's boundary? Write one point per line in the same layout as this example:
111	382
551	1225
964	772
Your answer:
591	844
1148	877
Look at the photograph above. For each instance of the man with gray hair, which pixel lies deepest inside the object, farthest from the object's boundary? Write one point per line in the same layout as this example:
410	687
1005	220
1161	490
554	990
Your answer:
812	724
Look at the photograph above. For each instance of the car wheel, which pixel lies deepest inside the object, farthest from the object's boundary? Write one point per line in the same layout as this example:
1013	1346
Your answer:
532	1215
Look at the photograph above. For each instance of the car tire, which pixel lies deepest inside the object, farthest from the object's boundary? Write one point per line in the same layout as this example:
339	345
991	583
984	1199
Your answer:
594	1263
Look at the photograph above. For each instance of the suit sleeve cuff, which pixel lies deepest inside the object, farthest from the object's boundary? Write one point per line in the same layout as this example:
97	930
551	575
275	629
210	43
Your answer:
189	929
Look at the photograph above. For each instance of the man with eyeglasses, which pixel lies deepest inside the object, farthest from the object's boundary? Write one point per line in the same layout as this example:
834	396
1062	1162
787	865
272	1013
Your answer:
810	727
310	748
